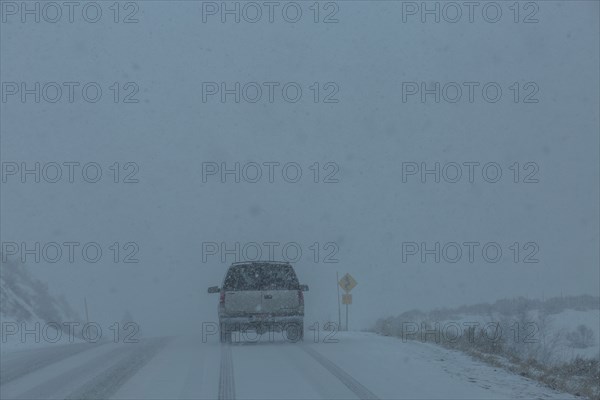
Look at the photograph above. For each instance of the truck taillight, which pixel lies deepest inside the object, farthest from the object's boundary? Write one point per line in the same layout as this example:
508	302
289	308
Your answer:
300	297
222	297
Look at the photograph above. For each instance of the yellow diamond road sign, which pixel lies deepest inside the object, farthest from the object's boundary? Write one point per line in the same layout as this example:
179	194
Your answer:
347	282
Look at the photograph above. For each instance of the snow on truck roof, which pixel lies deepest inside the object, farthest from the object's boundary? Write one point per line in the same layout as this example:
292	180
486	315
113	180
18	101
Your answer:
261	262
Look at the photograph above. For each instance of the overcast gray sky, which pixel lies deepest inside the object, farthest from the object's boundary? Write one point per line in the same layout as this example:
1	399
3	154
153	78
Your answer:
367	61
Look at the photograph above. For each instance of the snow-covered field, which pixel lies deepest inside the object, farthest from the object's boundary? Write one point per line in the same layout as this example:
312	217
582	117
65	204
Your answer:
562	326
358	365
556	341
553	337
552	332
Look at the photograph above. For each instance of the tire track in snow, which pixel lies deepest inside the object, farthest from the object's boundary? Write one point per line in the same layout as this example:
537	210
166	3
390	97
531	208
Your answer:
37	359
355	386
54	387
93	372
226	382
110	380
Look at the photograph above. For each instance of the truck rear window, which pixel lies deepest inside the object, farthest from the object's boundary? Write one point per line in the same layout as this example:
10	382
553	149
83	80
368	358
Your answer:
261	277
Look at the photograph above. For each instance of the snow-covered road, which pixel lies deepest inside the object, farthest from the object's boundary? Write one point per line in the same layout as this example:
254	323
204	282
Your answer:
359	365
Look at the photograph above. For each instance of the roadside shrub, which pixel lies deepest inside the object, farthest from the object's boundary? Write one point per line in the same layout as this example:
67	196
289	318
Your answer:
581	337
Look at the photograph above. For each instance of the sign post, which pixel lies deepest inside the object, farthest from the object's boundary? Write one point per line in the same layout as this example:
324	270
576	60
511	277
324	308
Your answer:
347	283
337	276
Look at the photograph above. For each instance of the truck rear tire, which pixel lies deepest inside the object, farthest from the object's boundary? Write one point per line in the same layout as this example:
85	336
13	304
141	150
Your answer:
294	332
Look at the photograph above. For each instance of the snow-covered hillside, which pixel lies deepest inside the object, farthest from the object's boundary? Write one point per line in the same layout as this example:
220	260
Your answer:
29	313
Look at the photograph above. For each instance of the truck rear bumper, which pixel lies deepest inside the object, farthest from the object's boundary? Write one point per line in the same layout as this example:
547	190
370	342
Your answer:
259	323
